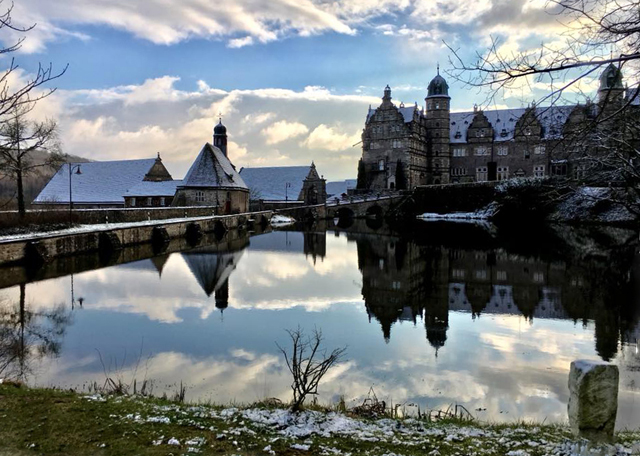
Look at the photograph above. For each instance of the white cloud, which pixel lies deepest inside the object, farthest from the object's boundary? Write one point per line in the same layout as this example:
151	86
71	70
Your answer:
282	130
240	42
169	23
329	138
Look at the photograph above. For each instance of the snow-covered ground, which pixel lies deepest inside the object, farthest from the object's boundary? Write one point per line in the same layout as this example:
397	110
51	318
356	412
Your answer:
281	220
332	432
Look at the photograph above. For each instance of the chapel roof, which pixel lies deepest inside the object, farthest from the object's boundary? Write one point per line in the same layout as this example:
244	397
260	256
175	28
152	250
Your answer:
212	168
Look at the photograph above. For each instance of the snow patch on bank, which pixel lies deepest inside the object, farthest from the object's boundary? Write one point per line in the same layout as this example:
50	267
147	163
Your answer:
281	220
483	215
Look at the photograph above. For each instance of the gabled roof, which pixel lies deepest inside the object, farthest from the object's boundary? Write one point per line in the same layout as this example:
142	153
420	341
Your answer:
269	183
552	119
147	188
99	182
212	168
340	187
406	111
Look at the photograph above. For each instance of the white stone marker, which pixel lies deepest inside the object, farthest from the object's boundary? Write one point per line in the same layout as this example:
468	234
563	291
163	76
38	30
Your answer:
593	401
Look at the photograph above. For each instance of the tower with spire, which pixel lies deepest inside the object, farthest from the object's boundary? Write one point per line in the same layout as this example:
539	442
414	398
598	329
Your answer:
438	103
314	187
220	136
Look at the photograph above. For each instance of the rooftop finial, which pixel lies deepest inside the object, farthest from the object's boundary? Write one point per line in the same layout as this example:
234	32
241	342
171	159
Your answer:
159	156
438	68
220	117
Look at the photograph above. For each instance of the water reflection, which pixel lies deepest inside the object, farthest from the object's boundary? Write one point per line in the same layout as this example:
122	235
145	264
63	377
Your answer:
446	314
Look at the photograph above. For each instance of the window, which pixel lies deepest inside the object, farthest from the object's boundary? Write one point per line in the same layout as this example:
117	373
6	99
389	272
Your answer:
199	196
539	150
503	133
481	274
458	273
503	150
149	203
503	173
559	169
527	154
162	201
538	277
459	171
133	202
437	105
538	171
482	150
458	135
395	285
527	131
481	174
501	275
397	143
381	165
578	172
459	152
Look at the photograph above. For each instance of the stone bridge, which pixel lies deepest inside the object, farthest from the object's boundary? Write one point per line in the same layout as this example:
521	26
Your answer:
356	207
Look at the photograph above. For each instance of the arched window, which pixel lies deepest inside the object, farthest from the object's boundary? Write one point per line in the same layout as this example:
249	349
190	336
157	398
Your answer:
381	165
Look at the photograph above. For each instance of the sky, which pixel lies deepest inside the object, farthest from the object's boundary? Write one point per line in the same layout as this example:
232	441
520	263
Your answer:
293	79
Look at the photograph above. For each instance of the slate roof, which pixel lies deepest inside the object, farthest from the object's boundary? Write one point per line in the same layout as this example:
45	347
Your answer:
552	119
100	182
269	182
340	187
212	169
148	188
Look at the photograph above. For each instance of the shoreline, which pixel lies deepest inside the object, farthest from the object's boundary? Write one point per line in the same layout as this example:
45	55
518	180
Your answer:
50	421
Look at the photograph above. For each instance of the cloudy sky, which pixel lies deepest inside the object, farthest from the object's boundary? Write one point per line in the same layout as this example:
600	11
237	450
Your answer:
292	78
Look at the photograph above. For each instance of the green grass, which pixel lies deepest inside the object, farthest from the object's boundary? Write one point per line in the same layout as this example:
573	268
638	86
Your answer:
47	421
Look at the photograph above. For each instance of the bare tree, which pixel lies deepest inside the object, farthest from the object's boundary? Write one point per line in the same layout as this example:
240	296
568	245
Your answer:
597	33
19	139
23	93
304	363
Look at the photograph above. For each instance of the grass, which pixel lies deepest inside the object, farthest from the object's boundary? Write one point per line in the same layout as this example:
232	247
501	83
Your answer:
48	421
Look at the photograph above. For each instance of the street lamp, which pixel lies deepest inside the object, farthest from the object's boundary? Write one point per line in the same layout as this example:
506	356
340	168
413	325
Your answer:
286	187
77	171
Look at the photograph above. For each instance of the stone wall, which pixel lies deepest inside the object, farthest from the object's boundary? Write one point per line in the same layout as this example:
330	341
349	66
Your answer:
44	247
454	198
94	216
230	201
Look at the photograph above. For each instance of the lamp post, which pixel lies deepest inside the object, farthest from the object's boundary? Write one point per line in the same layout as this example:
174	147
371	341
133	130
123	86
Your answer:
286	187
71	168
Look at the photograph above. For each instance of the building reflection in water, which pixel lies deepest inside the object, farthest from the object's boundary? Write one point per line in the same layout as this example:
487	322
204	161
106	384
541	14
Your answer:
406	281
213	265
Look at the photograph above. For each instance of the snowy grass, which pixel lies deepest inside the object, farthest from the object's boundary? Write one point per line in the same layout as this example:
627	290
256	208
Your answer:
40	421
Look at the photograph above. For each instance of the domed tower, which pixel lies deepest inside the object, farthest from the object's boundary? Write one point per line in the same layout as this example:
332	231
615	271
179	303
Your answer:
437	123
220	137
611	90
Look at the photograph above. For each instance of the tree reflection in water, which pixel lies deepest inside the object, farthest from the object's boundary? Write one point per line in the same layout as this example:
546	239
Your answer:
27	335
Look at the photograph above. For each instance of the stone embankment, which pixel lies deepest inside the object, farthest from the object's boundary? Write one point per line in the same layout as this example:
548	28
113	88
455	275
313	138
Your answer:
38	248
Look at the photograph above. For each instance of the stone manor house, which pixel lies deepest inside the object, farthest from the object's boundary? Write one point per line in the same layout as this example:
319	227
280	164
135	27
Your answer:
404	146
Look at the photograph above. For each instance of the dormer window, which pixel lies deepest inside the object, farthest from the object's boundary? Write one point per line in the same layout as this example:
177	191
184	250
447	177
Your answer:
503	133
458	135
527	131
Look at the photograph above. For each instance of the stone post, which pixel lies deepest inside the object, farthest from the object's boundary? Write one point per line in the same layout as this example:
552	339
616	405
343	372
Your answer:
593	399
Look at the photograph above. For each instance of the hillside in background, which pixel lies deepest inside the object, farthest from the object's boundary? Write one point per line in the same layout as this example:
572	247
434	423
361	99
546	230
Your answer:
33	183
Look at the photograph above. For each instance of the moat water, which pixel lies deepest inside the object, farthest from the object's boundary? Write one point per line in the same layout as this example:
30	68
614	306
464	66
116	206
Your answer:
451	314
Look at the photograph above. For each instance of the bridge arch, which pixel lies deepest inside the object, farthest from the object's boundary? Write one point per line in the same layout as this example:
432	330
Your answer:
374	211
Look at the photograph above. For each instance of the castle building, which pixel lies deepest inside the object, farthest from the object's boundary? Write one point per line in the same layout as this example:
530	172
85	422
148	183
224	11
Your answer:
405	146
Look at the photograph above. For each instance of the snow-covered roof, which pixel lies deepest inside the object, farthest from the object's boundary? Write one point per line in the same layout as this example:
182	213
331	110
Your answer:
504	122
269	183
148	188
99	182
212	168
340	187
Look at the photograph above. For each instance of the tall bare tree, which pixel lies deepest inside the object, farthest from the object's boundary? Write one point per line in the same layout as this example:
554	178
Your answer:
19	139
